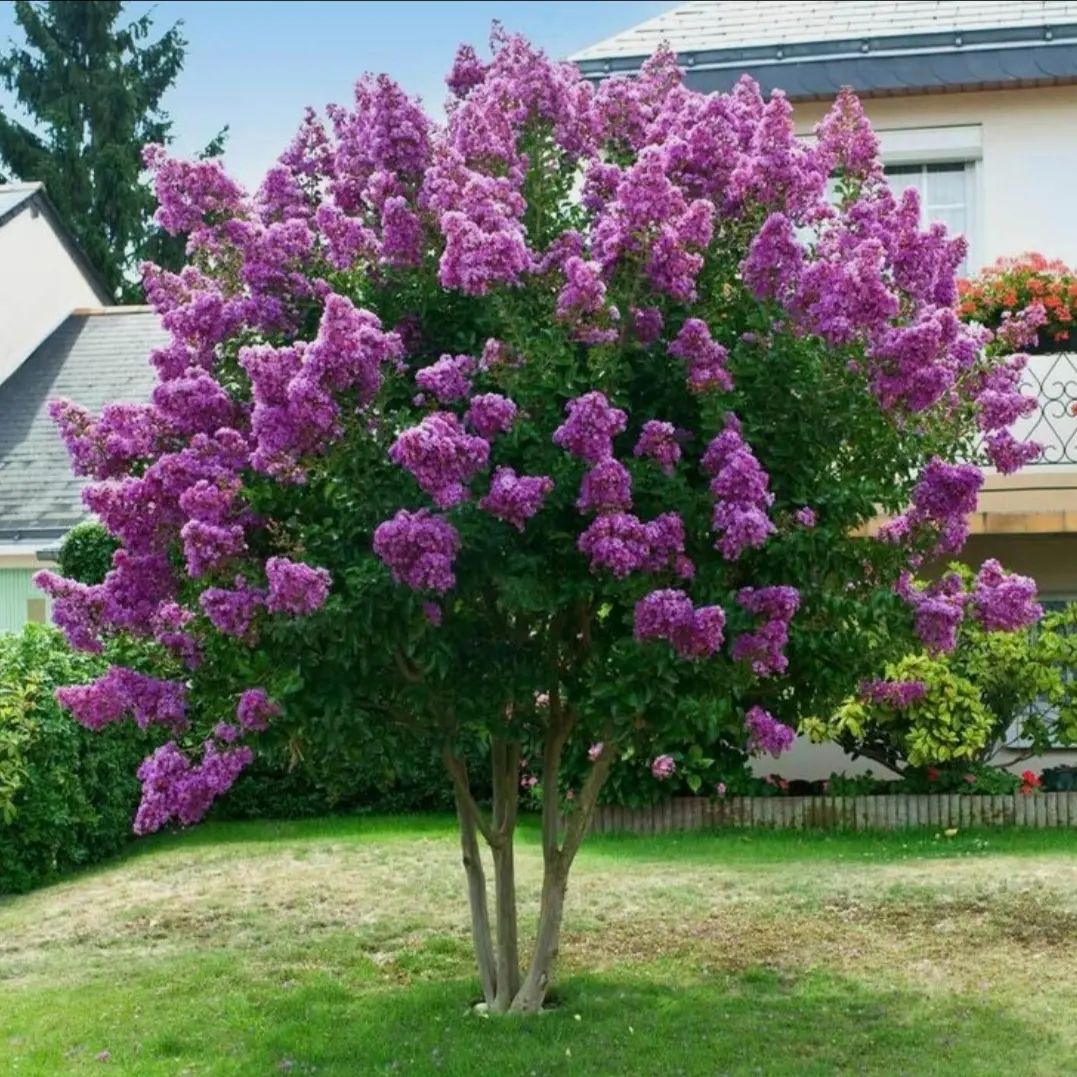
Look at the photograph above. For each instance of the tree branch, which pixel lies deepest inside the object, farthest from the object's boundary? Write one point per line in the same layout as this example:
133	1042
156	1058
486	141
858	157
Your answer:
457	769
586	801
407	669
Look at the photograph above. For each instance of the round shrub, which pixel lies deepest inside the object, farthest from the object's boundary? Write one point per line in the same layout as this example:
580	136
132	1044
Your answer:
86	553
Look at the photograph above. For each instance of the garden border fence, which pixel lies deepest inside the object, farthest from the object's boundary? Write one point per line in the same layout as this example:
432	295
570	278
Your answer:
889	812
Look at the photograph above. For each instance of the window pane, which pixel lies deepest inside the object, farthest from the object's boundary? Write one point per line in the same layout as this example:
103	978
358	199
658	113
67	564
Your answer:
954	219
946	186
905	176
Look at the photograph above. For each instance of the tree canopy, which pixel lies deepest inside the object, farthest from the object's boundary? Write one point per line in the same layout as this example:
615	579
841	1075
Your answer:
564	424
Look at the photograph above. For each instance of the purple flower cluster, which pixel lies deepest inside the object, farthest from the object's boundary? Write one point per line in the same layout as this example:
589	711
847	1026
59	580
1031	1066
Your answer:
77	609
255	709
606	487
740	488
109	445
582	303
295	588
448	379
1002	601
480	218
658	440
806	517
295	408
847	143
765	647
647	324
1007	455
650	218
938	609
515	498
233	610
897	694
670	615
441	456
490	414
775	261
623	544
705	359
766	733
419	549
174	788
942	500
120	692
1021	330
592	424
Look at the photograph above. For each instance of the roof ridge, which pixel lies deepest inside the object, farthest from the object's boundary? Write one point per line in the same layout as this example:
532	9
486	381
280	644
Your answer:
118	308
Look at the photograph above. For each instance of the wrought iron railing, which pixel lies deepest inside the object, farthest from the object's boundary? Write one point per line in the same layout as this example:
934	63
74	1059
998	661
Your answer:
1052	379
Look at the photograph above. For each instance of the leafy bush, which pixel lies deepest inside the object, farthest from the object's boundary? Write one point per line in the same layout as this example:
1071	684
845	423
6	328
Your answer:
946	711
975	779
294	778
86	553
66	794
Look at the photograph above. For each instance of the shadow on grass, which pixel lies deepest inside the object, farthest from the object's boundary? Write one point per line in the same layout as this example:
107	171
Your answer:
226	1019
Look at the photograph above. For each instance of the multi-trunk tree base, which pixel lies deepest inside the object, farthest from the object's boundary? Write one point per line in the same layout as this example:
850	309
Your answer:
505	987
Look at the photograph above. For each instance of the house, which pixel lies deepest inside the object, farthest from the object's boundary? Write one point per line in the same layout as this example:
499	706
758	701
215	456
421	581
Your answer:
43	273
58	338
975	104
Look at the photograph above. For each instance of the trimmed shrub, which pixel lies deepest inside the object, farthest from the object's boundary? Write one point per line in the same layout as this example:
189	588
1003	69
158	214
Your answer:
67	795
86	553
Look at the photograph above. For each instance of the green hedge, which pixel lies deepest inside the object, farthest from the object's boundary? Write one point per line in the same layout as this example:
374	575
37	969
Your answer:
67	796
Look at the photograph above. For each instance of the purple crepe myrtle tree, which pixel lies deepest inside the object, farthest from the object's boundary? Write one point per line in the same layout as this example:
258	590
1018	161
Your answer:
560	424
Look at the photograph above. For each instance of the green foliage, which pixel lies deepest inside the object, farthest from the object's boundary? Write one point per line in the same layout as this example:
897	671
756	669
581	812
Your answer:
86	553
93	90
971	779
66	795
993	685
293	778
853	785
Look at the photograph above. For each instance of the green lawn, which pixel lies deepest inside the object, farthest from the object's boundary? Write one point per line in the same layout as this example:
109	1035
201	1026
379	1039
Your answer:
339	947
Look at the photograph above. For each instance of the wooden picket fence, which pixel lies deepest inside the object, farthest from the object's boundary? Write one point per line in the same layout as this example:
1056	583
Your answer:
841	813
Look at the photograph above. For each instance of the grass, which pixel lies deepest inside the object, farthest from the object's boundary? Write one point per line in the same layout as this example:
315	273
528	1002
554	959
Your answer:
339	947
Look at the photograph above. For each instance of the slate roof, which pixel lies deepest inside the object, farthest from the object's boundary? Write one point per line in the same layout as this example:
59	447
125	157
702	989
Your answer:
93	358
812	48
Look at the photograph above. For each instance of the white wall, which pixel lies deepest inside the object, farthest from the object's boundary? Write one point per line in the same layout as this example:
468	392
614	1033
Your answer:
40	284
1028	173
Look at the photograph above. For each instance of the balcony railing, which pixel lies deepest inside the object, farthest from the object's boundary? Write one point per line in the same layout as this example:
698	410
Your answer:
1052	379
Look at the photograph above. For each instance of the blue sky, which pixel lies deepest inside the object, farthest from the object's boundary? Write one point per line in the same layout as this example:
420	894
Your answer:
255	65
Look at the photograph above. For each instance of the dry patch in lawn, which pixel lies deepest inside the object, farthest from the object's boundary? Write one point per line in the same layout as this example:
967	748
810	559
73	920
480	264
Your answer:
960	924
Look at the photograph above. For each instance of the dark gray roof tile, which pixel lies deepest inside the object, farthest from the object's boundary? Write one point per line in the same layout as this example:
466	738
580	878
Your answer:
93	359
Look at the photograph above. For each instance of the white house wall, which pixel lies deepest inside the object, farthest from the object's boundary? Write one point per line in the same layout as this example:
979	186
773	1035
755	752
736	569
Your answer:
40	284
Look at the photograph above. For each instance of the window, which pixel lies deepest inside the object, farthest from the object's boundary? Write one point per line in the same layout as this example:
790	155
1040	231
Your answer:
946	196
